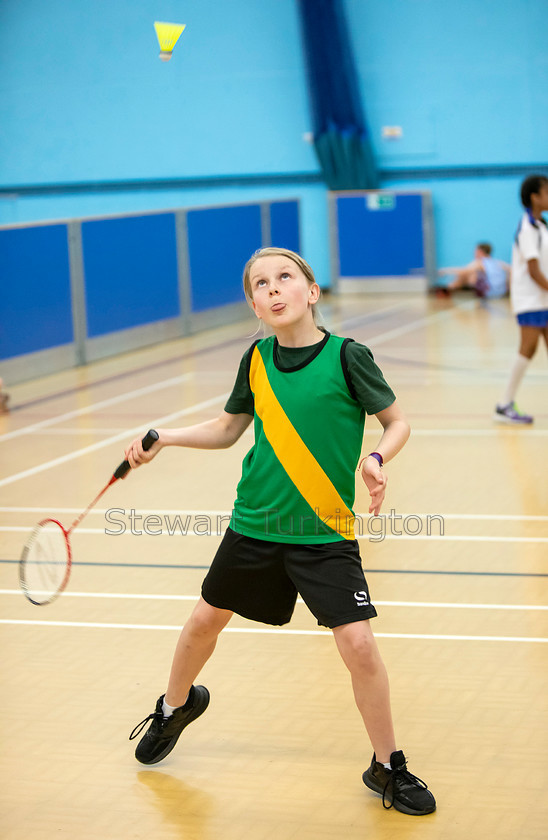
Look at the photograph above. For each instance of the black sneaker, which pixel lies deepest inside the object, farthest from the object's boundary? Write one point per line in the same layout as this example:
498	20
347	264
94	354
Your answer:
399	787
163	732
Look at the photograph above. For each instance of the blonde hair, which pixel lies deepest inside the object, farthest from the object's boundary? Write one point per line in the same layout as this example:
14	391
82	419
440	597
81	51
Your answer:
271	251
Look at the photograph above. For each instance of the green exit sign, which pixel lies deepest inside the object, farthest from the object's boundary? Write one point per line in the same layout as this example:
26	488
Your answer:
380	201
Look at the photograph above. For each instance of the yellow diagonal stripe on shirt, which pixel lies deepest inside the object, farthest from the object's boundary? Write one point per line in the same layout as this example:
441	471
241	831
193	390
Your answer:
302	468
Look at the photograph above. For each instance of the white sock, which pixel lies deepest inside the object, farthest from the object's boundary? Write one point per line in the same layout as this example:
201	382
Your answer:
387	765
168	710
516	375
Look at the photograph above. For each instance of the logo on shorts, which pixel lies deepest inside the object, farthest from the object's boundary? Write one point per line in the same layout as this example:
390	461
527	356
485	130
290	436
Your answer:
362	598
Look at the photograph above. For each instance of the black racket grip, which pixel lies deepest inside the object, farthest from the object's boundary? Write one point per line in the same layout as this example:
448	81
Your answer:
150	438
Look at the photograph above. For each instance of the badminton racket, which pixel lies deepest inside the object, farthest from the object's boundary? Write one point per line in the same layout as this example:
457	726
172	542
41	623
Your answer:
46	559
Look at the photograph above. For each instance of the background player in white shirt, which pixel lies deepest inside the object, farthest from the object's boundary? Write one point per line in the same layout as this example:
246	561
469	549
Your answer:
528	290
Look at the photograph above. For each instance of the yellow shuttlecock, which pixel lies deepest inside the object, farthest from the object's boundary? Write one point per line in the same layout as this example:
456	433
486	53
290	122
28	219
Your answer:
168	34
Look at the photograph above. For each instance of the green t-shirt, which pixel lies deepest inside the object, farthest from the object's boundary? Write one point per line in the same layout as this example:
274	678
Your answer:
366	381
298	479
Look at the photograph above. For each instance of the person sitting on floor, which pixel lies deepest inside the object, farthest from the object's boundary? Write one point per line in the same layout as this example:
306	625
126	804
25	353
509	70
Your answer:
487	276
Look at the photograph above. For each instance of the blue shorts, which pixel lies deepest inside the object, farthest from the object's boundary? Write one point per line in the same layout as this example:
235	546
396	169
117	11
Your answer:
537	319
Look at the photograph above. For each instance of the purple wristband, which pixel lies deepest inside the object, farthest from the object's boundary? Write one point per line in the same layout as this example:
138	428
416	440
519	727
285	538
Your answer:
377	456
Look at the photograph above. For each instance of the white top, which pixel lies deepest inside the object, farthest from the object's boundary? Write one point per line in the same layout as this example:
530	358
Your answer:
531	243
495	276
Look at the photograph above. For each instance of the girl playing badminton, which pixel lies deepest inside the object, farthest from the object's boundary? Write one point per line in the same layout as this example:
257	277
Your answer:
292	527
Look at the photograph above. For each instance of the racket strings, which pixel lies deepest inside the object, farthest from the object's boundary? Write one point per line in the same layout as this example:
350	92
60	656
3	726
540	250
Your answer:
45	562
44	566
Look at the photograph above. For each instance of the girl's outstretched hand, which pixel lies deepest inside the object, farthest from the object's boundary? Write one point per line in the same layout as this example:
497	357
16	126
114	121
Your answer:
137	456
375	481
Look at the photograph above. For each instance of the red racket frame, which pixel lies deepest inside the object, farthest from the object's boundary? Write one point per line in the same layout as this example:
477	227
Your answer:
22	563
149	439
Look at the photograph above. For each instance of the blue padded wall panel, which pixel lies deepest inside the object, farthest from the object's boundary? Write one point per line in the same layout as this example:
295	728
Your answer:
380	242
36	311
220	242
130	269
284	225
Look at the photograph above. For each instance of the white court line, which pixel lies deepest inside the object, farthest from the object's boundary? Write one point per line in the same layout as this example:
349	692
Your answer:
264	631
373	536
494	517
88	409
496	432
147	389
364	321
126	436
159	385
123	596
375	340
501	428
413	325
74	430
103	511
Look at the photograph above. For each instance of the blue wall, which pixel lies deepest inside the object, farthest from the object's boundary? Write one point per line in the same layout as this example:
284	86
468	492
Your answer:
85	97
468	84
467	81
93	123
67	285
36	306
129	259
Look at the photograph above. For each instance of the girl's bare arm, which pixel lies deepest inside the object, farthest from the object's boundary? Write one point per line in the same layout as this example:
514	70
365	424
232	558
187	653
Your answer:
219	433
395	434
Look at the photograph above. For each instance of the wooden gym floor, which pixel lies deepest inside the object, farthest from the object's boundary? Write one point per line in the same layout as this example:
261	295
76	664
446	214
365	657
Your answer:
280	752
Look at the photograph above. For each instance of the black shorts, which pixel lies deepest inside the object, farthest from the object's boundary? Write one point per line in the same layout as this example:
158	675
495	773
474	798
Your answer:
260	580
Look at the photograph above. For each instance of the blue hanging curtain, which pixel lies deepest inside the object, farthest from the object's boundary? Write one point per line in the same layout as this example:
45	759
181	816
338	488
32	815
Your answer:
341	139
